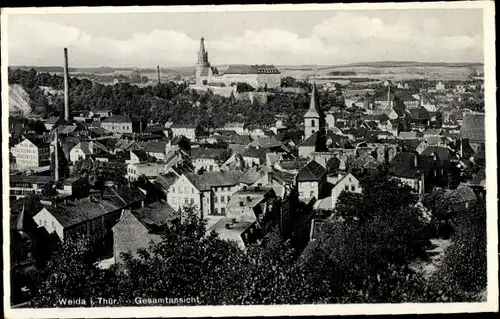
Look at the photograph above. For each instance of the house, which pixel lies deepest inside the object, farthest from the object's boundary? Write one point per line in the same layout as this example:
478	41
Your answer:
89	217
31	153
478	183
190	131
165	180
136	157
347	183
408	135
150	170
100	113
206	158
237	127
24	185
473	130
251	214
156	149
209	192
314	143
254	156
84	150
311	181
433	132
53	122
138	228
75	186
118	124
420	172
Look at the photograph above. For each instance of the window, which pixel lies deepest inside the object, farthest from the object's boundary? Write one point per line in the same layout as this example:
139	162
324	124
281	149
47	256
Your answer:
215	199
311	194
173	189
353	188
346	187
350	179
313	124
228	198
185	200
216	211
222	199
186	189
192	201
192	190
223	211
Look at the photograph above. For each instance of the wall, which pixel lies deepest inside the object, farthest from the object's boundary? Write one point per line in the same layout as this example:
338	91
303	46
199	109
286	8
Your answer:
129	235
307	190
352	185
183	192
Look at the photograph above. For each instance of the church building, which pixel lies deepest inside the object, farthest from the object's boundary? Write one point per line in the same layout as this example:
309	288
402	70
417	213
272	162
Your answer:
314	128
204	72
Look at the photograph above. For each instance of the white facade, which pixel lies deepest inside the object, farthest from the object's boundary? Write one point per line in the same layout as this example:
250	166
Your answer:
349	183
29	155
209	164
308	190
182	192
189	132
150	170
45	219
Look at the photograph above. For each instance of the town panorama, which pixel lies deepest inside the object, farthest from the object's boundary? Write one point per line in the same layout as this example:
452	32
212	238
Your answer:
246	184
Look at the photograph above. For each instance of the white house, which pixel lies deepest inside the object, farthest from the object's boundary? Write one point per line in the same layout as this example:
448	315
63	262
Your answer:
348	183
150	170
83	150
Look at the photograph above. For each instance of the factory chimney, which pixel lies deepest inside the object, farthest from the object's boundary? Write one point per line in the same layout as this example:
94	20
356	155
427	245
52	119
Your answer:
56	158
158	71
66	86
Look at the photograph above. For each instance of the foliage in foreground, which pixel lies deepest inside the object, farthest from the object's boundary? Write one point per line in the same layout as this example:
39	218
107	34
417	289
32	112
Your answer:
357	260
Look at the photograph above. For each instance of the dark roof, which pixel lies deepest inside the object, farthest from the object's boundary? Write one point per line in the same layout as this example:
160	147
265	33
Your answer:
31	179
311	172
209	179
251	69
311	141
479	179
118	119
156	215
141	154
166	180
155	147
255	152
403	165
241	139
82	210
123	196
152	128
52	120
443	153
38	142
473	127
201	152
419	113
179	125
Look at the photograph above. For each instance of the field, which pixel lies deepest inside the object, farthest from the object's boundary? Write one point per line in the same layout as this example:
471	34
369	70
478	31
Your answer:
396	71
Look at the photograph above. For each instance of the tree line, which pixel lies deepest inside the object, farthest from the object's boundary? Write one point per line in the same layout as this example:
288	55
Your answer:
364	255
168	101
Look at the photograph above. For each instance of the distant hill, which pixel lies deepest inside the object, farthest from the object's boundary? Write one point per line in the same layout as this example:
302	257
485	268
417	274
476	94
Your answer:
388	64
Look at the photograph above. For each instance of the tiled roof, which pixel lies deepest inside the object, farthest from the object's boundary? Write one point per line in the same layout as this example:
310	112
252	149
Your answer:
443	153
251	69
403	165
419	114
202	152
157	214
209	179
52	120
123	196
79	211
155	147
473	127
179	125
311	172
255	152
118	119
38	179
479	179
166	180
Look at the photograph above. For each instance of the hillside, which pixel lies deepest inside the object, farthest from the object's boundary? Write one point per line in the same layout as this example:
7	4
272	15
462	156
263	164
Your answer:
19	100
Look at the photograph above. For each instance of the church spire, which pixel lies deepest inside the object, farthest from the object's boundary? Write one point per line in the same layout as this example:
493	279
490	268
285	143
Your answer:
313	104
202	54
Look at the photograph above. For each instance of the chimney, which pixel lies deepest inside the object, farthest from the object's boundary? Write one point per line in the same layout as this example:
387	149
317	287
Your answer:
66	86
158	72
416	160
56	159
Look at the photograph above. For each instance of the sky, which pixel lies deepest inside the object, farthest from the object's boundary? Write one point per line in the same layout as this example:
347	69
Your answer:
268	37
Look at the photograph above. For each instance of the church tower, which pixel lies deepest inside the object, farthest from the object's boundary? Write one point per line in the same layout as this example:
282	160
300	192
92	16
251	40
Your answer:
314	119
202	62
203	54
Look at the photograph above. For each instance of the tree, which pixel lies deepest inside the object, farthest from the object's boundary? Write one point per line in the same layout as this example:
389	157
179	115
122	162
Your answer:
71	275
333	164
462	276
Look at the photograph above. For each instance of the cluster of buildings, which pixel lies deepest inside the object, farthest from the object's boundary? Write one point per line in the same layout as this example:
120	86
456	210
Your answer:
266	177
257	76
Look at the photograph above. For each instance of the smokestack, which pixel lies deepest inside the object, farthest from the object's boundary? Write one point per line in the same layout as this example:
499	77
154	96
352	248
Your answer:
416	160
66	86
56	159
158	71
